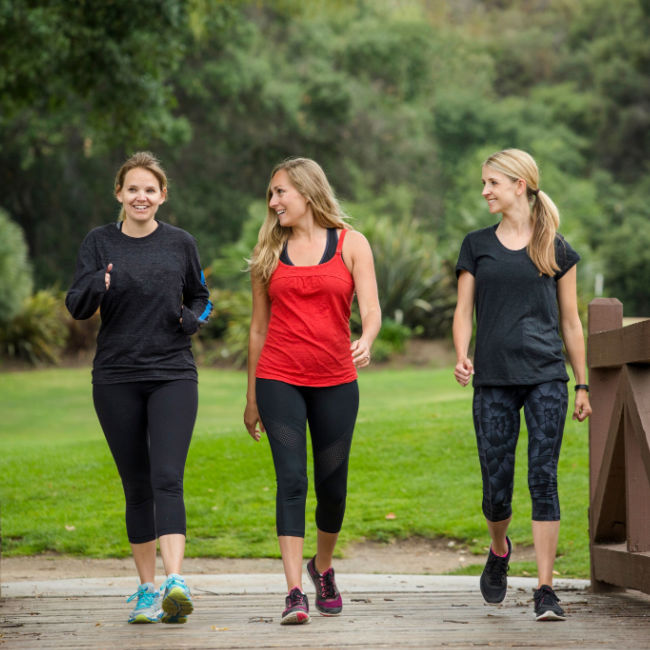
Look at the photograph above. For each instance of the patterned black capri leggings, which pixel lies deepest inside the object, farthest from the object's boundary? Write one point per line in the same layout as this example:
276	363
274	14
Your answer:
496	421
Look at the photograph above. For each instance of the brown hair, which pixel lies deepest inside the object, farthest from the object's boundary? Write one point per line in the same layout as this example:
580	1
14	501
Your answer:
517	164
145	160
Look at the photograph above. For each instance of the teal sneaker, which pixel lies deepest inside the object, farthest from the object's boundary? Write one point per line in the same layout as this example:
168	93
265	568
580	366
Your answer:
176	600
147	608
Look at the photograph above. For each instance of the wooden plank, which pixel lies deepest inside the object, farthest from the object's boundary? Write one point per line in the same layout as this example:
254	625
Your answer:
629	344
607	511
370	620
612	563
637	459
606	404
605	349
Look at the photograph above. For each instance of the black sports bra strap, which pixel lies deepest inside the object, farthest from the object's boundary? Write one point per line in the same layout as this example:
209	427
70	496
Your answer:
330	249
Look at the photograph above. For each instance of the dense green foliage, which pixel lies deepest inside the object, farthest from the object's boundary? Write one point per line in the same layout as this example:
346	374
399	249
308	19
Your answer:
413	455
393	98
15	271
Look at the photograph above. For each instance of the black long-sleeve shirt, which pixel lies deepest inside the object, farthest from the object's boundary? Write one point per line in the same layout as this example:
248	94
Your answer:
155	280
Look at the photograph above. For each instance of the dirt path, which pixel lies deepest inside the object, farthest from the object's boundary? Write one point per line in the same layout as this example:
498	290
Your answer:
416	556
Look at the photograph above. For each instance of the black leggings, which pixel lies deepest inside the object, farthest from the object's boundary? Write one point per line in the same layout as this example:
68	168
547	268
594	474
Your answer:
148	426
331	412
496	420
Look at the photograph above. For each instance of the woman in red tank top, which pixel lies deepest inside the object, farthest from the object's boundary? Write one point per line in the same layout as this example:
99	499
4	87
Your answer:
302	366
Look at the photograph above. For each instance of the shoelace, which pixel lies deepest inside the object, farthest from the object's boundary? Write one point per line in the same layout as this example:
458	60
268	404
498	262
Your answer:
145	598
295	598
327	585
544	595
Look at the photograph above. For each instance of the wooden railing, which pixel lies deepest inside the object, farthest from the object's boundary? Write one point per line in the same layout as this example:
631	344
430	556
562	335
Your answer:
619	449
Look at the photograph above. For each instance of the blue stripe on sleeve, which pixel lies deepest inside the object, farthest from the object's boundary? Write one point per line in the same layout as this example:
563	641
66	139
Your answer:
206	312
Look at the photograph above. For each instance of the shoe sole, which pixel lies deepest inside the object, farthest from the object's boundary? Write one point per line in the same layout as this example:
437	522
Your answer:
550	616
295	618
143	618
174	620
328	612
176	605
493	601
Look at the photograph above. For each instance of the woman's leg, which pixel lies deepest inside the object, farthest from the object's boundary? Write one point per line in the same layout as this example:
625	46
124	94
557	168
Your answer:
172	408
545	538
121	409
545	409
497	422
332	414
283	412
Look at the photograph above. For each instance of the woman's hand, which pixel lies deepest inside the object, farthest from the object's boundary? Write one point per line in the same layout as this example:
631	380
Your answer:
360	353
107	276
252	421
582	408
463	371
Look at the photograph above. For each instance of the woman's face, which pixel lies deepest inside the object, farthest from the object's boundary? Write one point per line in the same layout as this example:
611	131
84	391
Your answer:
288	204
141	195
499	190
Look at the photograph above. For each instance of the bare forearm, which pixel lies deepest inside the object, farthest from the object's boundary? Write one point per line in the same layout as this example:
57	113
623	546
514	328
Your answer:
462	335
370	325
255	345
575	346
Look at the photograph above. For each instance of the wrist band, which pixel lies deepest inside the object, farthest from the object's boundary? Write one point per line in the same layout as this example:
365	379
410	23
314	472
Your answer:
582	387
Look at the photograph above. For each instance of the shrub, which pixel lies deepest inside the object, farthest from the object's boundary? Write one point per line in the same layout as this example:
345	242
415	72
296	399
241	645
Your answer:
230	323
416	284
15	271
38	332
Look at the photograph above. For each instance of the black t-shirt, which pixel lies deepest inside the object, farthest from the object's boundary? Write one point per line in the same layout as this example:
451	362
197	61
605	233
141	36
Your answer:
517	326
140	337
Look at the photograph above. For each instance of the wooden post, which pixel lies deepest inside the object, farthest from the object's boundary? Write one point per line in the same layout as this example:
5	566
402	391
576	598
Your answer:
604	314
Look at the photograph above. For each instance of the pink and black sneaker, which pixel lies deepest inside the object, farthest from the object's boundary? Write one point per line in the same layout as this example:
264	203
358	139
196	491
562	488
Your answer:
328	597
297	610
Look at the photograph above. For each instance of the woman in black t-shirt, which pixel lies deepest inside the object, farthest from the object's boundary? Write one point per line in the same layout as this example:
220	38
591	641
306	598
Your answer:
520	275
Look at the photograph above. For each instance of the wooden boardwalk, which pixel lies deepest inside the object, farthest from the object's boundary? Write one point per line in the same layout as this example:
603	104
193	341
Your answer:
419	612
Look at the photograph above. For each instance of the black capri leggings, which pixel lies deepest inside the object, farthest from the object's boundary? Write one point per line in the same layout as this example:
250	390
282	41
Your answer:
148	426
496	420
331	412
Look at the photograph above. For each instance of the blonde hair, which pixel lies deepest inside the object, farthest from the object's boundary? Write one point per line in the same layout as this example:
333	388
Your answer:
517	164
309	179
145	160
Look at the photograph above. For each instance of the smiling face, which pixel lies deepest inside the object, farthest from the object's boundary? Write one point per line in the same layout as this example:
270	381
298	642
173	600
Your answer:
499	190
284	199
140	195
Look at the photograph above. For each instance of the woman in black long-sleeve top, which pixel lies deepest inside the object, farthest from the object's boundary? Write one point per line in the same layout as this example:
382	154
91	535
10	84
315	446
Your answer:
145	278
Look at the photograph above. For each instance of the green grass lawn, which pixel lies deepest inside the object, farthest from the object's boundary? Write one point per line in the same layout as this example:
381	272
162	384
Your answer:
413	455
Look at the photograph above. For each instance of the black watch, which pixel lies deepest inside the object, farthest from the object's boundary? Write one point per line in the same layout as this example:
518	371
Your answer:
582	387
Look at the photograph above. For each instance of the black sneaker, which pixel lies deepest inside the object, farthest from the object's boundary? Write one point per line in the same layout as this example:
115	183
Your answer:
494	579
297	608
546	605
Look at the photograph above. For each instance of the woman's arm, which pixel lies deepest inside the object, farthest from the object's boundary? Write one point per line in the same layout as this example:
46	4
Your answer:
257	335
90	284
358	258
573	339
463	326
196	307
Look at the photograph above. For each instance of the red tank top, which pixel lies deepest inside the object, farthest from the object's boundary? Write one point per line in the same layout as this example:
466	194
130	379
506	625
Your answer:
308	338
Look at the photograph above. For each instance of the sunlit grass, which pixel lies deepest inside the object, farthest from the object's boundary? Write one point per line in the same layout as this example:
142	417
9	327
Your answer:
413	459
